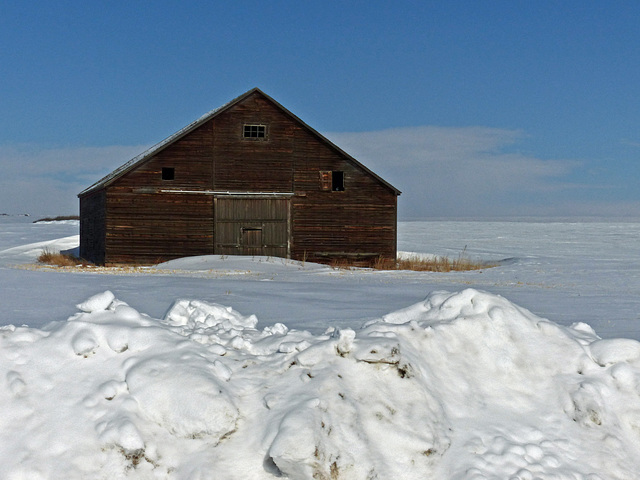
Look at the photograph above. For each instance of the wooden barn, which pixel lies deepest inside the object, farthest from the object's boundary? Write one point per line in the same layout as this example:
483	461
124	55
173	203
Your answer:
248	178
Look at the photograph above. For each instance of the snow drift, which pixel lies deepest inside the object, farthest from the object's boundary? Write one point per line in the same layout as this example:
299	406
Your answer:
464	385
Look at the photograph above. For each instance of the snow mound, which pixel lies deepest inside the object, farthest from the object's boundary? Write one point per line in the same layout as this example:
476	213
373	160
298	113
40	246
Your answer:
240	264
29	253
193	404
463	385
97	303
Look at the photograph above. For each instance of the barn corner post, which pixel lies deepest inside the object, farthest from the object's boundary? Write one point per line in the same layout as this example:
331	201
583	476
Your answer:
248	178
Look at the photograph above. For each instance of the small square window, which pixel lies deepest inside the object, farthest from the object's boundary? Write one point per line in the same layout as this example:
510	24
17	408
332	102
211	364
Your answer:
168	173
255	132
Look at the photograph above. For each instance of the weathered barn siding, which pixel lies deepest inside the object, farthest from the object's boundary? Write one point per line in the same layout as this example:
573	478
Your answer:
208	189
145	223
253	165
359	220
149	228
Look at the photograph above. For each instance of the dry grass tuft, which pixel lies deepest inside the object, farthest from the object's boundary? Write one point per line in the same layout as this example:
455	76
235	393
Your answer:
340	263
436	264
418	264
51	257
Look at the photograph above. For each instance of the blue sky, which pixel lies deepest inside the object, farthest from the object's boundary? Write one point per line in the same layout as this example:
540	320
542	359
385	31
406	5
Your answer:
471	108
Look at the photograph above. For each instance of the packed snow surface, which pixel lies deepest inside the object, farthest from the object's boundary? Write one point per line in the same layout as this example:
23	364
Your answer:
167	373
462	385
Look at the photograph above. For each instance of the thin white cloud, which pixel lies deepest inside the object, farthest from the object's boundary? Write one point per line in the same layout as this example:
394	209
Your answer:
468	171
630	143
46	180
442	171
35	161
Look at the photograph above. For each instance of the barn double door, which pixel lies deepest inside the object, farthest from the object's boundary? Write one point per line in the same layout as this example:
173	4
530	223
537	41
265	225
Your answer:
252	226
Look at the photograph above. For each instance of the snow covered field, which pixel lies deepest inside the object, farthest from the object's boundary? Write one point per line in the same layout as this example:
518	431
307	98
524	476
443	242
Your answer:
260	368
566	272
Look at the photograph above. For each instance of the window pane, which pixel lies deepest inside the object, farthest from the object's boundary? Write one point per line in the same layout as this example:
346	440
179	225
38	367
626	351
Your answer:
168	173
254	131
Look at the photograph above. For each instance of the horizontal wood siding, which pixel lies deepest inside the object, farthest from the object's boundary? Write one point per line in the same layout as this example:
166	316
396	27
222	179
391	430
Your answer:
150	228
361	220
92	227
191	157
144	224
248	164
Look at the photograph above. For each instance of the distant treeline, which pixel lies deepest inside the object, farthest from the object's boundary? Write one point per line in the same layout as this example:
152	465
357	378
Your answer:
58	219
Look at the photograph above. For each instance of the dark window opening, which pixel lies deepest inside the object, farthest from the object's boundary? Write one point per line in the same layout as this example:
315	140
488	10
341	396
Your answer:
255	131
168	173
337	181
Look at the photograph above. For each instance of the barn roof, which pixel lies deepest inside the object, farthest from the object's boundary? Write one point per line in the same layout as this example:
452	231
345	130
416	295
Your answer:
139	159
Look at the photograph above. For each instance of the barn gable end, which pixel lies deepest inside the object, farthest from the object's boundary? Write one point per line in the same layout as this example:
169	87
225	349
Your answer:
248	178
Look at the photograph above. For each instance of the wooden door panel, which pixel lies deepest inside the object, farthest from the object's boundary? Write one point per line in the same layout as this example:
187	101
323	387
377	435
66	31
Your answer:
252	226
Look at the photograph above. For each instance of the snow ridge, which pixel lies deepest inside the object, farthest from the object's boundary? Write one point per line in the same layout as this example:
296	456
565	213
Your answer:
463	385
